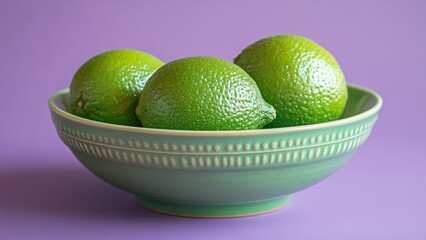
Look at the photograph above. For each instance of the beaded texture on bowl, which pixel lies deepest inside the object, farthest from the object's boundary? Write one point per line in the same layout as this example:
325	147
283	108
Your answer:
203	155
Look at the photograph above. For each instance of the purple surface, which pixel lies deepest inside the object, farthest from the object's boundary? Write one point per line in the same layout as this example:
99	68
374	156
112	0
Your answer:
45	192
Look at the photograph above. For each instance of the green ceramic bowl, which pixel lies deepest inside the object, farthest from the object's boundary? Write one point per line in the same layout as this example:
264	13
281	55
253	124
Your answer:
216	173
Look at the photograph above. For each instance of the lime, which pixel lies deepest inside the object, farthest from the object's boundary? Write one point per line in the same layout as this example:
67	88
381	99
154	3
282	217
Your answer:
202	93
107	87
298	77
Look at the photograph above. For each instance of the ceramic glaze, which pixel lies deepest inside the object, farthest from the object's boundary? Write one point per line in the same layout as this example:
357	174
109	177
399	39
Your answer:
216	173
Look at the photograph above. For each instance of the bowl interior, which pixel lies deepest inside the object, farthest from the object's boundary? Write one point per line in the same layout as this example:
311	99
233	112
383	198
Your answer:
359	101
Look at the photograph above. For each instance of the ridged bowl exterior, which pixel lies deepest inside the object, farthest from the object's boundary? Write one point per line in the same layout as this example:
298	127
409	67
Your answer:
216	166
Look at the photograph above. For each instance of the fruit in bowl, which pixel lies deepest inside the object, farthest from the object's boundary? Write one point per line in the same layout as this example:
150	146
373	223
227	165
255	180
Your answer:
213	166
301	79
107	87
203	93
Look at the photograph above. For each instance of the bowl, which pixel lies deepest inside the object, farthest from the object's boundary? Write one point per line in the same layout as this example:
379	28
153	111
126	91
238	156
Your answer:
216	173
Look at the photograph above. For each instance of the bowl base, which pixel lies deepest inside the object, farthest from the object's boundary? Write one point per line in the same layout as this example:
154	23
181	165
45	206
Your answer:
229	210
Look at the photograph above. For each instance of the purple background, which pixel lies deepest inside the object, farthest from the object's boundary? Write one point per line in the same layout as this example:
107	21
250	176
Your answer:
45	192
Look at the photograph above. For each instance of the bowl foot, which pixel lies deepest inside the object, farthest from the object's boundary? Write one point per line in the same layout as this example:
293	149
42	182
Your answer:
214	210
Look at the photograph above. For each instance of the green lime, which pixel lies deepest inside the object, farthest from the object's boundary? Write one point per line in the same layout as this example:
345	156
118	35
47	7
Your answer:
298	77
107	87
202	93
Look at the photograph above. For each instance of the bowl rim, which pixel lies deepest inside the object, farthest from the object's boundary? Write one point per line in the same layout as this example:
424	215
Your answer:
220	133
